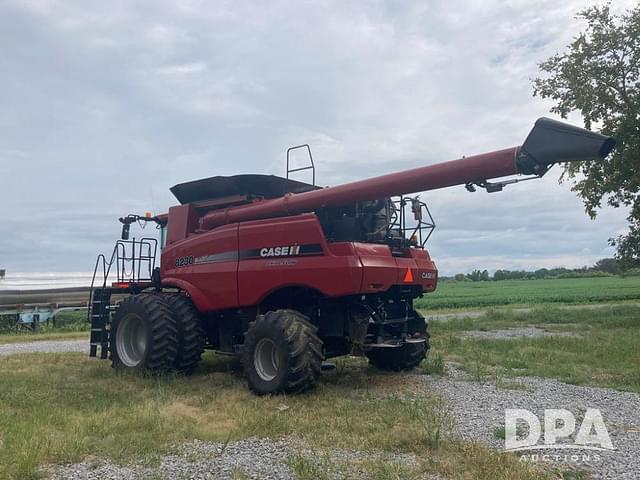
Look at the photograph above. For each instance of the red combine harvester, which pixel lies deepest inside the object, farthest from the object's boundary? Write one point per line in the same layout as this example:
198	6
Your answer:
287	274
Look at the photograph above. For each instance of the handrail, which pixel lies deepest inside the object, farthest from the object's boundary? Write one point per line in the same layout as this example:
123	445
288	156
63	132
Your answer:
311	167
398	222
105	273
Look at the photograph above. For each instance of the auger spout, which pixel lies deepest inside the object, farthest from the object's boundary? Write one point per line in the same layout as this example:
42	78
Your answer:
549	142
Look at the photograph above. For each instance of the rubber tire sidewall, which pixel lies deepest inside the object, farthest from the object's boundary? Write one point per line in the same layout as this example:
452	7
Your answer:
134	305
270	330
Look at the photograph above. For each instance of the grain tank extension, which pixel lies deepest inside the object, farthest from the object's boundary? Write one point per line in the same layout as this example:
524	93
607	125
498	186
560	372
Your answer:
287	274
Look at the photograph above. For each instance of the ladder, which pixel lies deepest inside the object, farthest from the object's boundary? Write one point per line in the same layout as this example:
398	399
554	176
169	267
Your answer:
100	311
133	272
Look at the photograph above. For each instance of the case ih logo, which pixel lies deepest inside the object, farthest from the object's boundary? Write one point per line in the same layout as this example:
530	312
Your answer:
252	254
289	251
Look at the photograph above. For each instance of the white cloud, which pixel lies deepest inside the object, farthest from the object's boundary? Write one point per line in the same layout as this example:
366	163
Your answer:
106	105
182	70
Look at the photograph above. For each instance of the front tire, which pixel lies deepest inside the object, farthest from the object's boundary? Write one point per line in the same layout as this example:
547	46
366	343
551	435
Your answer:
144	336
190	333
282	353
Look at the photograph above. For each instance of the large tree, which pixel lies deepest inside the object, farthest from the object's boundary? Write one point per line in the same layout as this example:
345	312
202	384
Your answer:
598	76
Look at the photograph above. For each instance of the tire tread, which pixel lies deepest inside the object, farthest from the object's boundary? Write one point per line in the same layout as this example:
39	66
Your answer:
190	333
304	349
163	343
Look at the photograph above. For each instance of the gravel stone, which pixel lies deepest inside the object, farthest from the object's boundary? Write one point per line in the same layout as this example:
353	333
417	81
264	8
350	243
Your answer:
479	409
251	458
520	332
472	314
49	346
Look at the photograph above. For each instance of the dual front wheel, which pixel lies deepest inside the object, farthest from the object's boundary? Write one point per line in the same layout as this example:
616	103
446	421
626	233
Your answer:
156	332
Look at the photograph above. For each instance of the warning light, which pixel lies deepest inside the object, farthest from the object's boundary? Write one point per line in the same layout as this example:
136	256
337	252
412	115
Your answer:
408	277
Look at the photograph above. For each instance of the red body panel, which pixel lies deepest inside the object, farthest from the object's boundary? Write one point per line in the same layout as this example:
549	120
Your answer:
239	265
206	266
380	268
330	274
426	273
184	220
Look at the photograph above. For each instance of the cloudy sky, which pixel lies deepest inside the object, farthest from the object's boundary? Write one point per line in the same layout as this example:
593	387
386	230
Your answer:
105	105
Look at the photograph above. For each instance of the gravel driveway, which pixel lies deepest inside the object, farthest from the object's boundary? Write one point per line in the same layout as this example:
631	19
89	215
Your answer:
479	409
254	458
50	346
251	458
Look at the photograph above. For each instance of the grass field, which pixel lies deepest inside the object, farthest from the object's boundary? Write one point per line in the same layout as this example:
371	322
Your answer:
59	408
475	295
25	337
602	349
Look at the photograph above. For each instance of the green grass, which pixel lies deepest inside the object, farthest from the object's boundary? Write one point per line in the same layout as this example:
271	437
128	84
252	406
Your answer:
470	295
433	365
604	351
25	337
59	408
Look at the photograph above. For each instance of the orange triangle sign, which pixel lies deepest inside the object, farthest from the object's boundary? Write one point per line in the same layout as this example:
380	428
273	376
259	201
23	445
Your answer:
408	277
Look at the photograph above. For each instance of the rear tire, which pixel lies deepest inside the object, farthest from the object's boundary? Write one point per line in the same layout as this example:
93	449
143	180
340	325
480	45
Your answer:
282	353
143	334
409	355
190	333
406	357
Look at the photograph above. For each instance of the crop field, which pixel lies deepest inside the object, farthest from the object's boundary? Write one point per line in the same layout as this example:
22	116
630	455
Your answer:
571	291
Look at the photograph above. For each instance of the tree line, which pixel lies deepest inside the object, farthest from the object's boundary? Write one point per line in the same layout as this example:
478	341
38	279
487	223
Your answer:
602	268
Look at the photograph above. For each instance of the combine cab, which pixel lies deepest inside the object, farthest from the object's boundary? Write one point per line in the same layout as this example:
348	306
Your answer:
287	274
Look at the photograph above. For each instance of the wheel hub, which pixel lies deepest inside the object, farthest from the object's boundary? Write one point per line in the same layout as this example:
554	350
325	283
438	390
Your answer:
265	359
131	340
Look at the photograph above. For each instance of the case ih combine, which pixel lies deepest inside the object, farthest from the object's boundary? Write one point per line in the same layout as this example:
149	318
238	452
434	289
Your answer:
287	274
